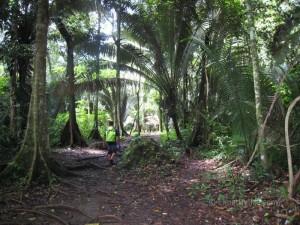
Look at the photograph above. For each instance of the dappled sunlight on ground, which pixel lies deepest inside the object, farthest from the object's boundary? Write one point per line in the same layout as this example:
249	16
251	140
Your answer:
81	151
207	164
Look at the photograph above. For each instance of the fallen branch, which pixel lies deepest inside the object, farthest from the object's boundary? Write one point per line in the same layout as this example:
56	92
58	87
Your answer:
281	216
294	200
15	200
221	167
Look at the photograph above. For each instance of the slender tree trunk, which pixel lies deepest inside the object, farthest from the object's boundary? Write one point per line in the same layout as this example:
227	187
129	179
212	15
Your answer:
172	102
292	184
95	134
185	100
34	161
160	114
198	130
118	87
256	79
13	79
138	108
176	126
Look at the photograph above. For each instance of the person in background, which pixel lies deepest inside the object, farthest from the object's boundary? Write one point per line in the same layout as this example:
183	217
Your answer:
110	140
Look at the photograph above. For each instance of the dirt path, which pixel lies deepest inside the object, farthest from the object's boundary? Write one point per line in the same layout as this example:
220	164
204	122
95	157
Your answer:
106	195
109	196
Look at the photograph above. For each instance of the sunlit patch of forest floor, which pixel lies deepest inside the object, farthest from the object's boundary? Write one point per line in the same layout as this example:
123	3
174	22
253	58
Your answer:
190	191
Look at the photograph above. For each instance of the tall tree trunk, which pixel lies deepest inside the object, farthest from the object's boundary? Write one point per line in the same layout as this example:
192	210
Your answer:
256	79
118	87
13	79
199	128
138	123
95	134
71	134
34	161
197	134
20	70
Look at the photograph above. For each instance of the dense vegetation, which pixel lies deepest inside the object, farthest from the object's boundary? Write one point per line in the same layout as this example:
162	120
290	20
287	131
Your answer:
218	76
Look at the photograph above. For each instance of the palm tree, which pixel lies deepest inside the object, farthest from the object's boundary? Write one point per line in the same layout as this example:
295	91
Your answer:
224	85
163	31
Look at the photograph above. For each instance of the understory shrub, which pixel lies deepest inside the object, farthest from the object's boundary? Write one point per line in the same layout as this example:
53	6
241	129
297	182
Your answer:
144	151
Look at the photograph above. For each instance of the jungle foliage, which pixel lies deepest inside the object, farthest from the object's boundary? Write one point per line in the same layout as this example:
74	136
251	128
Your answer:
182	67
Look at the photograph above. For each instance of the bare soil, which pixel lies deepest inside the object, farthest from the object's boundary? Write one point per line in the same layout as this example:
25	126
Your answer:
185	193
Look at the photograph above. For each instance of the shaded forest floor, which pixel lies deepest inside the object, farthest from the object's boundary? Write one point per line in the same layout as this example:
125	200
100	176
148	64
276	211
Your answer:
185	193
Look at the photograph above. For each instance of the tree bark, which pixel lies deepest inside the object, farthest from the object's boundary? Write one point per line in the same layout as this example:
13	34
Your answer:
292	184
95	134
118	87
34	161
256	80
13	79
198	131
71	134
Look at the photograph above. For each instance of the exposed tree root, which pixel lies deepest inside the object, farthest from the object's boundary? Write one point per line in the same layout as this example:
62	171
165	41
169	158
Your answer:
77	139
5	195
63	192
15	200
95	134
70	183
41	214
70	208
110	217
10	223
